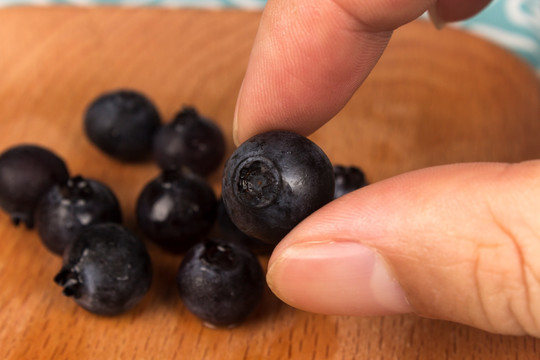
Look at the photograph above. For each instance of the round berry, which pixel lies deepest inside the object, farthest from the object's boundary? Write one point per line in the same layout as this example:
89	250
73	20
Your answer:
106	269
176	209
348	179
26	173
220	282
230	233
122	124
190	141
273	181
66	208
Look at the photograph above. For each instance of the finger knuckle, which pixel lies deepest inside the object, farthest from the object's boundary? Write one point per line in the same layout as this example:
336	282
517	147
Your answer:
508	281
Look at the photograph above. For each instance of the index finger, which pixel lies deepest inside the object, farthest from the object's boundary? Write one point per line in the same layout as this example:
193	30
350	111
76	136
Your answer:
309	57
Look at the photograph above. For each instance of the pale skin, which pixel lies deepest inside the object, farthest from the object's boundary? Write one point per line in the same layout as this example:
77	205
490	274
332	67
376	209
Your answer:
457	242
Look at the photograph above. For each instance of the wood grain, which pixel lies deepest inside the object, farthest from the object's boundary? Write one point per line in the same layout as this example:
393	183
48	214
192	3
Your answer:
435	97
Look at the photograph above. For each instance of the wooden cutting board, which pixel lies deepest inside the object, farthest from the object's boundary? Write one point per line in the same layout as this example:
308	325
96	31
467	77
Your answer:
435	97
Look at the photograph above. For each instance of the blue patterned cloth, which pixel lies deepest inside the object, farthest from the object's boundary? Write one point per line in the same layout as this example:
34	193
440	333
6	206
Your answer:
513	24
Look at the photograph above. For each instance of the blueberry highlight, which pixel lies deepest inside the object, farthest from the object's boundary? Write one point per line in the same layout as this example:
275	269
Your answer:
176	209
66	208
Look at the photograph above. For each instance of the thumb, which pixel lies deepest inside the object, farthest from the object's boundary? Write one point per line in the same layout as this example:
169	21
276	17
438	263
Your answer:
457	242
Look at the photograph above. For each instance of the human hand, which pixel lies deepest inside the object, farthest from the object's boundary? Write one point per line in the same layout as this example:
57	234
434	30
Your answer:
456	242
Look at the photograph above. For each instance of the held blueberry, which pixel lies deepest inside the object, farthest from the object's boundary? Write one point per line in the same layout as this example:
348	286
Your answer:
122	124
26	173
273	181
230	233
348	179
176	209
220	282
66	208
190	141
106	269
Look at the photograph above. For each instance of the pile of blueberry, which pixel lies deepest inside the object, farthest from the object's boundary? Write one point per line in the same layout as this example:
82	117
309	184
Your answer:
270	183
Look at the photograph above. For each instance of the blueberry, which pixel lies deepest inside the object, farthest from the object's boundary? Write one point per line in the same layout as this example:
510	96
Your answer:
191	141
230	233
26	173
347	179
273	181
176	209
106	269
122	124
66	208
219	282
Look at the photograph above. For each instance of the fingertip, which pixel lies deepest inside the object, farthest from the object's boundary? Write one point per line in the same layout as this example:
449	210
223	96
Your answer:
350	279
302	71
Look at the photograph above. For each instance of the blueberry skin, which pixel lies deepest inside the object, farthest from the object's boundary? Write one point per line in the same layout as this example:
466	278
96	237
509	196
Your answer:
348	179
122	124
106	269
66	208
190	141
26	173
273	181
221	283
230	233
176	209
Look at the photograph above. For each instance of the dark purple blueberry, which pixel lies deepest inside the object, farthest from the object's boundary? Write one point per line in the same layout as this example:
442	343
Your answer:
176	209
122	124
66	208
220	282
26	173
273	181
230	233
190	141
106	269
347	179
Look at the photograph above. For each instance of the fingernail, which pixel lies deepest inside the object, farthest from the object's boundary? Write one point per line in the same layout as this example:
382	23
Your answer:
435	18
235	127
337	278
235	118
